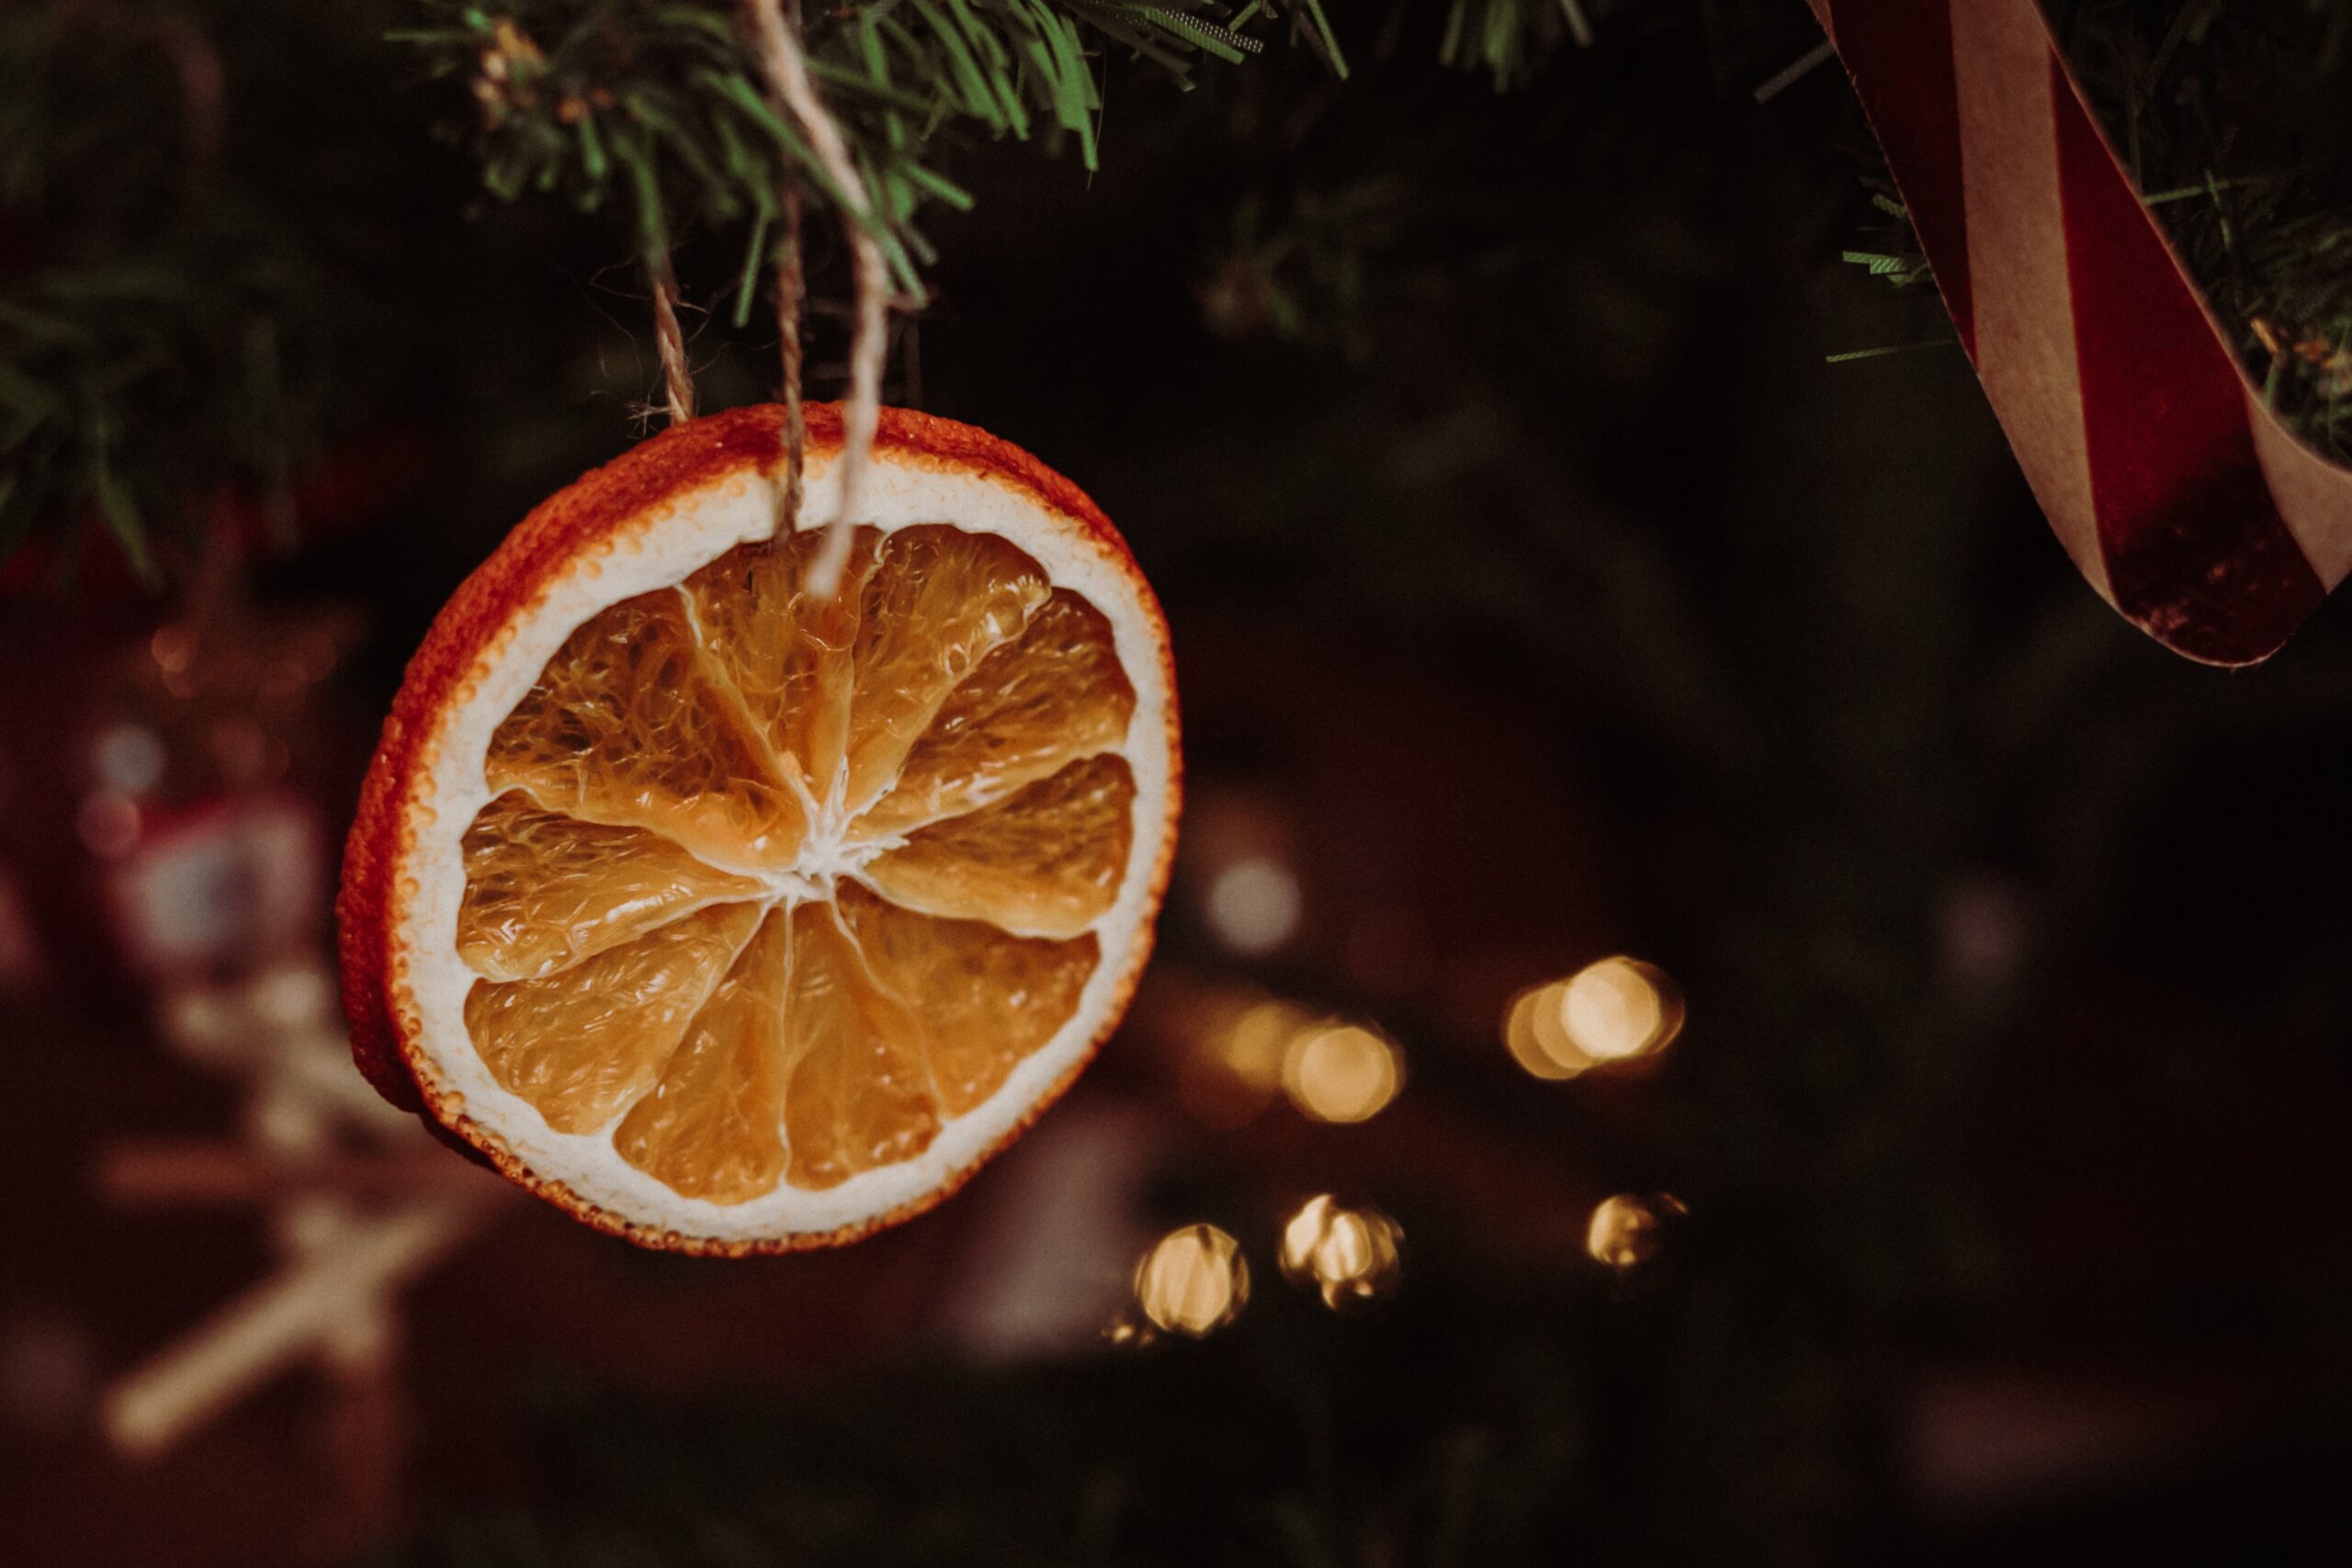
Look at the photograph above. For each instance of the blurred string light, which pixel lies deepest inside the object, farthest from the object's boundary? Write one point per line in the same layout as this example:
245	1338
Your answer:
1627	1232
1129	1332
1253	905
1612	1010
1234	1065
1620	1007
1245	1046
1537	1038
1345	1254
1341	1072
1193	1281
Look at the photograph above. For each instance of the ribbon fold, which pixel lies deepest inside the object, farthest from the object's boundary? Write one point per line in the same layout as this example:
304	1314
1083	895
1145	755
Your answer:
2184	500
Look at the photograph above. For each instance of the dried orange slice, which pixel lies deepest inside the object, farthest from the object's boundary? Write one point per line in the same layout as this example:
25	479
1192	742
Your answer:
732	920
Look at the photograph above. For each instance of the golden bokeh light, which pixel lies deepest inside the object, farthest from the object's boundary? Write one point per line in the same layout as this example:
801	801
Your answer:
1620	1007
1611	1010
1537	1037
1341	1072
1235	1063
1129	1331
1346	1254
1252	1048
1193	1281
1626	1231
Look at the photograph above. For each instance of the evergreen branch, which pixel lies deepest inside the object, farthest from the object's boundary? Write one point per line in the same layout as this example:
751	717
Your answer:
564	88
183	359
1510	40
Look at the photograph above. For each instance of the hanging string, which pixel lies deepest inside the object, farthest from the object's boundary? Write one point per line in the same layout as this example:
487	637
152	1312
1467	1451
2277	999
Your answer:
788	74
791	289
677	379
668	338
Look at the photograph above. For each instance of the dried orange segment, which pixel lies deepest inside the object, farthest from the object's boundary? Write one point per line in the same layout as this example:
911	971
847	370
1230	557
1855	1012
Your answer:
711	1125
985	998
1046	860
786	653
626	727
544	891
785	913
938	601
581	1043
859	1095
1051	696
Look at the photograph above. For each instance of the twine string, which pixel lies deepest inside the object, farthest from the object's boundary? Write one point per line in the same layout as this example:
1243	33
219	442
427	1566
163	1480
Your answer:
791	290
788	72
677	377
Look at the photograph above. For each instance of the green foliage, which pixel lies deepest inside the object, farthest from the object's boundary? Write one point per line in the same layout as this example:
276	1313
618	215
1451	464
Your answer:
1508	39
1303	275
154	350
1897	258
661	105
169	319
204	249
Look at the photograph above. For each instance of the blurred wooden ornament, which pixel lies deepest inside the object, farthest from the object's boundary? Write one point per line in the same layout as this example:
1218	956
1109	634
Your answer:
359	1201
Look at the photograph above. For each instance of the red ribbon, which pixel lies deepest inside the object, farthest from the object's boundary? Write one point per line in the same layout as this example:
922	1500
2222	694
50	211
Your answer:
2184	500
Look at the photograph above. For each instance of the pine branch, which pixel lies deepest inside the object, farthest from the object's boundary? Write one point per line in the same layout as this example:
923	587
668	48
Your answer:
134	386
1510	40
610	101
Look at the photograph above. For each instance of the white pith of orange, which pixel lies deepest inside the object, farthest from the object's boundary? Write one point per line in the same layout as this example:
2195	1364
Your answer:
660	548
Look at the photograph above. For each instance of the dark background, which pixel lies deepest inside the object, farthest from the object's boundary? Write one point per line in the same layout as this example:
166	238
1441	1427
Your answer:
1539	592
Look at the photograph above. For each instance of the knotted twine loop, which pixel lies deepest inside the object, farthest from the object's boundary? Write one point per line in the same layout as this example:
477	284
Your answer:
788	74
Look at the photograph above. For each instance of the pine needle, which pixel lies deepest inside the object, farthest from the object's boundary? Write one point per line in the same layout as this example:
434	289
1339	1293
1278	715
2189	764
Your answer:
552	82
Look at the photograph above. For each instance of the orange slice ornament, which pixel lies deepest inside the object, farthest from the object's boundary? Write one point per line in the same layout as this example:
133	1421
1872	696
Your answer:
732	920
